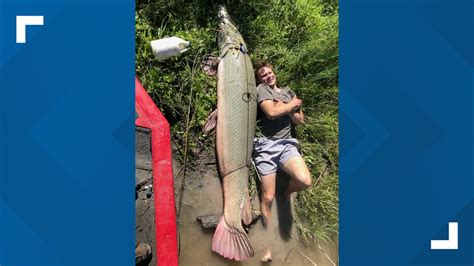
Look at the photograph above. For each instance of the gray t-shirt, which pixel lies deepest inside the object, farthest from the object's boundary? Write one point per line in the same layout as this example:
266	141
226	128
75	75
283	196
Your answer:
279	128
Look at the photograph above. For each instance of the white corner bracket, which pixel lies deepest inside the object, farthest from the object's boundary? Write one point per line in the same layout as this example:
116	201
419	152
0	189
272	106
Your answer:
22	22
451	243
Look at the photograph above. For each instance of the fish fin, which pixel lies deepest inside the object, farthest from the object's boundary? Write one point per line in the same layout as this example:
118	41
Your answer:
230	243
246	212
211	122
209	65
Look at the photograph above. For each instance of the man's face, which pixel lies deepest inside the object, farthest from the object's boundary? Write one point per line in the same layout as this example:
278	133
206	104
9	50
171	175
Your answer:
267	76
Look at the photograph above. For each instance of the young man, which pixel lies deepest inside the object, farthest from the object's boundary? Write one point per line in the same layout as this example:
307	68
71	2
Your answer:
275	148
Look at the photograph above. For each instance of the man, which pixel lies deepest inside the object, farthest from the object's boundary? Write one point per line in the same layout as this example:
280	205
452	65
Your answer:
278	109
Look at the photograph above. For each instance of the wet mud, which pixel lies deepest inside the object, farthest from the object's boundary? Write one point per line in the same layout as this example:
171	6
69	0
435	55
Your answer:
202	196
144	200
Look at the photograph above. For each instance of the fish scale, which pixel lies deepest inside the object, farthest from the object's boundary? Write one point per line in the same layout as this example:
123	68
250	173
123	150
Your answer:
236	116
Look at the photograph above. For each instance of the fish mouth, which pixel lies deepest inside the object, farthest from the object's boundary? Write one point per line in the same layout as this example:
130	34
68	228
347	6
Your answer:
222	13
224	17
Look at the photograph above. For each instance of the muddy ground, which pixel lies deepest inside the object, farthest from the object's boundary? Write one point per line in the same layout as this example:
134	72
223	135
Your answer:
144	199
202	196
198	193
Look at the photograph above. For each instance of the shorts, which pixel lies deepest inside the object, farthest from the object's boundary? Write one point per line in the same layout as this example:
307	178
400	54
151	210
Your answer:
269	154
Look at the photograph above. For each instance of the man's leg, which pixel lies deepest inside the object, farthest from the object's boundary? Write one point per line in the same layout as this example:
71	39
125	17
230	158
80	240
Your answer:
268	193
300	176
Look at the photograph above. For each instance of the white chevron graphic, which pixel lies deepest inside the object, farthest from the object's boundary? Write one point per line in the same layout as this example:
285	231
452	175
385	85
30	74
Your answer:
22	22
452	242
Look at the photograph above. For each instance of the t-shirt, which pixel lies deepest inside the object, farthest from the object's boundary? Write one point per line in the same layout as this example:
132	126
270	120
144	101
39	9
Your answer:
279	128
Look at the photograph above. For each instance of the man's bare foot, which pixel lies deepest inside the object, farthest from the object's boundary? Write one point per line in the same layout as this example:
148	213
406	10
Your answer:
267	257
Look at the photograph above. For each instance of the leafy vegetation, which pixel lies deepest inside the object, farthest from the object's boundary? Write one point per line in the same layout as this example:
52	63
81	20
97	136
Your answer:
299	37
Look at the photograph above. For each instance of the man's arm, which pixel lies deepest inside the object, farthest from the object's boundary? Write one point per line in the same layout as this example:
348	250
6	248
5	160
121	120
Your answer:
276	110
297	117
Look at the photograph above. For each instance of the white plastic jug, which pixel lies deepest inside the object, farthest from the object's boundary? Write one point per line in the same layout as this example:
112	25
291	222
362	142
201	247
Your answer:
168	47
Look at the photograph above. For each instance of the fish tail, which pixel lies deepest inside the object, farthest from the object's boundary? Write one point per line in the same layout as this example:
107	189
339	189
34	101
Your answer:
230	243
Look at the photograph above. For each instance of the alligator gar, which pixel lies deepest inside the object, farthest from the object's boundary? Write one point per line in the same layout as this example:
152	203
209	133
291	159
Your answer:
235	130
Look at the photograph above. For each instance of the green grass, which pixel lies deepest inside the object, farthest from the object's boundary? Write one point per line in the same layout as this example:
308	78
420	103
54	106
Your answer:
300	38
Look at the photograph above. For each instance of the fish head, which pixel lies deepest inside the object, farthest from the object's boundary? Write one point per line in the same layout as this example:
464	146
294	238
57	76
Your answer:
228	32
222	12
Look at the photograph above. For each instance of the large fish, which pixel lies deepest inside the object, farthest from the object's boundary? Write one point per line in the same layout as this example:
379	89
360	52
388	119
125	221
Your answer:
235	130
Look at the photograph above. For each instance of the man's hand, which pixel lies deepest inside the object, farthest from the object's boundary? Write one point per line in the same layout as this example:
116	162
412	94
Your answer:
297	117
296	102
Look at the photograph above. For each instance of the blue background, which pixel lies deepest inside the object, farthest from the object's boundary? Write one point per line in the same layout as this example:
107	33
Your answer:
406	131
67	139
67	134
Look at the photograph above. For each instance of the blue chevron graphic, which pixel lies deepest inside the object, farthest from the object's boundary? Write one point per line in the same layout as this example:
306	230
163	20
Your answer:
371	133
